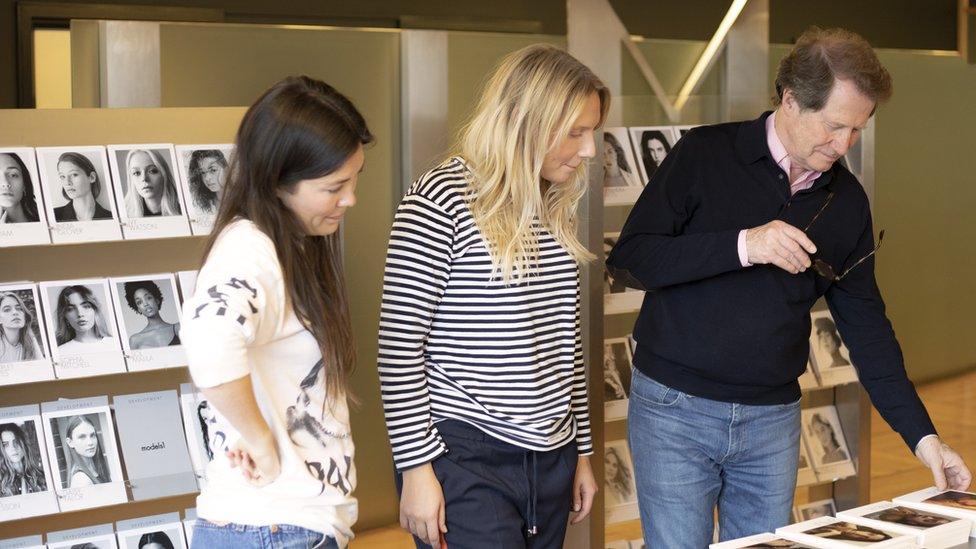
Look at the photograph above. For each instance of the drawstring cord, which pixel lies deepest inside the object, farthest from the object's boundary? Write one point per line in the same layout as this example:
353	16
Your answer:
532	501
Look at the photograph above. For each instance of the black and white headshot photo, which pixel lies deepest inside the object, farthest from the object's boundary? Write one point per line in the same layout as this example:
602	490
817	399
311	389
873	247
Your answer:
148	311
825	436
82	454
77	183
168	538
618	166
816	509
22	464
146	179
20	198
652	144
616	369
828	349
81	316
21	339
203	171
204	435
619	474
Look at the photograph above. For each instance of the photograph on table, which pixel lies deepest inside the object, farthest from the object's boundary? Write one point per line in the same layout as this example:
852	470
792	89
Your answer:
149	194
617	361
24	356
148	311
78	194
828	354
652	143
80	437
81	327
826	443
834	532
88	537
814	509
619	483
953	503
933	530
203	172
26	488
621	178
23	221
617	297
155	532
760	541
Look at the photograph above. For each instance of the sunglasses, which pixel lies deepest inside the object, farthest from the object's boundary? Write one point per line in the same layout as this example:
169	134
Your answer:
823	268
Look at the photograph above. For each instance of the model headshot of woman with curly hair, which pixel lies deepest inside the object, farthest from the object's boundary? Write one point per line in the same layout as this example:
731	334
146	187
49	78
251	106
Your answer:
145	298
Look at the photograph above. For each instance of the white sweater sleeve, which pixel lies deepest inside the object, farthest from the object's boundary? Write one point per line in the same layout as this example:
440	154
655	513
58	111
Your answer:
236	304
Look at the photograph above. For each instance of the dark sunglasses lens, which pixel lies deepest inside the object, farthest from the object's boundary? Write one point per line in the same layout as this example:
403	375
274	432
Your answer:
824	269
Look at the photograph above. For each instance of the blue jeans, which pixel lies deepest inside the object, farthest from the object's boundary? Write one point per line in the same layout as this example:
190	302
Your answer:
691	454
207	535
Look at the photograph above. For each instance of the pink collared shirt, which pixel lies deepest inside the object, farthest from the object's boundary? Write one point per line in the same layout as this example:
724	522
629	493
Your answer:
782	158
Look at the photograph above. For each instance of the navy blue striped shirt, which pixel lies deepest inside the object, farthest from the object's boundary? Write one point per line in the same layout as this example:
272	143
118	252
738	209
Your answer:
457	343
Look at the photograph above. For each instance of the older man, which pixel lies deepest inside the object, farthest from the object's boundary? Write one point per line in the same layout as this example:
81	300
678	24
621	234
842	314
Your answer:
738	234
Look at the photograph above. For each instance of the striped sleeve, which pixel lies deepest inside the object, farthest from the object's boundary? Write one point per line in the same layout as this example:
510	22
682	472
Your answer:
579	402
418	266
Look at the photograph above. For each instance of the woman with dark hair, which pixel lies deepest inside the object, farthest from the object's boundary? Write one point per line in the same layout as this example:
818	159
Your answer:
151	188
848	531
619	479
155	540
21	472
80	186
616	172
17	340
80	320
653	148
145	298
17	202
86	460
824	432
207	168
267	334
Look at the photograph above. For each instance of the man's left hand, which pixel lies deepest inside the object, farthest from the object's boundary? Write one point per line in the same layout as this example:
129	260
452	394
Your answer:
948	468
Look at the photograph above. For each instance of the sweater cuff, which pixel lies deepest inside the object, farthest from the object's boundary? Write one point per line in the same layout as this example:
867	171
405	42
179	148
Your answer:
743	252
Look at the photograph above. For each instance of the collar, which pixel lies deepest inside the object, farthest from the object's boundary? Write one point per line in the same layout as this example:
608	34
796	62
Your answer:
752	145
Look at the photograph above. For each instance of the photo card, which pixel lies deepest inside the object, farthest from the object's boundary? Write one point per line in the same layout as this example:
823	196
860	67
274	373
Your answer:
80	437
651	146
617	362
621	178
619	482
23	220
149	193
81	327
24	353
26	486
826	443
203	173
79	197
148	311
165	530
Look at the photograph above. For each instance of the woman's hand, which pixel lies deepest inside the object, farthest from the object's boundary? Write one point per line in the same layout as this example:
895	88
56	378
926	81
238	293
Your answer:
258	460
584	489
422	505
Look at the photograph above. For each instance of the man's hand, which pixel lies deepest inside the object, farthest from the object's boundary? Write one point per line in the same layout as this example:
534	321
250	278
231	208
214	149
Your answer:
948	468
422	505
781	244
584	489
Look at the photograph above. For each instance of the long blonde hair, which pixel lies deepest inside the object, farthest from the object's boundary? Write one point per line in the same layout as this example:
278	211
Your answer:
135	206
527	108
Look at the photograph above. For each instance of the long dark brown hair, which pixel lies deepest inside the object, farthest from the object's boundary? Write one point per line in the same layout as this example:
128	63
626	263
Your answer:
299	129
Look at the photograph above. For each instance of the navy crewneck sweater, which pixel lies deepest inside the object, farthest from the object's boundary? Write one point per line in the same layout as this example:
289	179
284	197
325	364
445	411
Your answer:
712	328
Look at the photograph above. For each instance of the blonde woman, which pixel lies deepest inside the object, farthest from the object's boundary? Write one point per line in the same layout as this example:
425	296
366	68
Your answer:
152	189
480	359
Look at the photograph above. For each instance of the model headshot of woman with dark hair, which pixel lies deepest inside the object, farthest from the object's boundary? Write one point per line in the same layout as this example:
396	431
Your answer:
824	432
616	171
848	531
480	350
910	517
654	146
17	201
155	540
145	298
80	320
619	477
84	452
207	170
267	333
18	342
81	187
21	470
151	189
